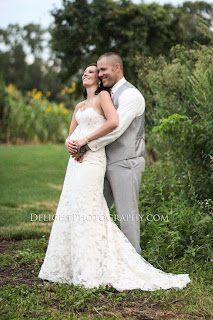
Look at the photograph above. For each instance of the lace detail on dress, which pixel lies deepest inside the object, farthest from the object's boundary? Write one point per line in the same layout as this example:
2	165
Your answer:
86	247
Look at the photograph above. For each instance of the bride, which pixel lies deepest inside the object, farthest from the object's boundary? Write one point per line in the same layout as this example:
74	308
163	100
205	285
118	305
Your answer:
86	247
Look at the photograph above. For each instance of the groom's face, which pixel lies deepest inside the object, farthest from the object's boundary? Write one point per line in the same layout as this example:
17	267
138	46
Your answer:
106	72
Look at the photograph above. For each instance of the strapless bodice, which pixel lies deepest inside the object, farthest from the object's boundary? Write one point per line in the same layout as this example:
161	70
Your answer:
89	120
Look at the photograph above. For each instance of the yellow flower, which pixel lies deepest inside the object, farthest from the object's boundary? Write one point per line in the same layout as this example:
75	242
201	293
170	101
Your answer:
63	92
38	95
48	109
66	88
11	88
73	85
65	111
29	93
48	93
61	105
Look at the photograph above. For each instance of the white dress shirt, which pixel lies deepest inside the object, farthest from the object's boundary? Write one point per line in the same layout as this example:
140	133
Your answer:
131	104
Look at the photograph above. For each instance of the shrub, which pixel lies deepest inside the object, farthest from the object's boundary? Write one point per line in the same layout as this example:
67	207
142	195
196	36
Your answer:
180	112
173	226
32	118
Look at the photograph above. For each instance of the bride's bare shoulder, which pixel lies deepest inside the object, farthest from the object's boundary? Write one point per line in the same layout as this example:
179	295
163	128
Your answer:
104	94
79	105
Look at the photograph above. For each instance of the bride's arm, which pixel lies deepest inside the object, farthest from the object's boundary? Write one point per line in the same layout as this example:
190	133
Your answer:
73	126
111	116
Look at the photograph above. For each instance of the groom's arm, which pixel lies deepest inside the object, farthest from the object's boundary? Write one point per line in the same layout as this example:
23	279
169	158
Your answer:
131	105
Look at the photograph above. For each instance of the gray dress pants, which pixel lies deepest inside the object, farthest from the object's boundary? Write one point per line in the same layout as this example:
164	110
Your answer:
121	186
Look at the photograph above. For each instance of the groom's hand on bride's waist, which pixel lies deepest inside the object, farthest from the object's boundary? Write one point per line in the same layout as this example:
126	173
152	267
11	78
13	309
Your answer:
77	156
73	146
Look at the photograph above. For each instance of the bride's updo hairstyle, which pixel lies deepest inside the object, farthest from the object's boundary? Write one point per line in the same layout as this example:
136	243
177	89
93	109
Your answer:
100	84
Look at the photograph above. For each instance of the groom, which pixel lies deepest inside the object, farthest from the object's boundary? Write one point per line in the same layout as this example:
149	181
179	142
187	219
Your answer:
125	147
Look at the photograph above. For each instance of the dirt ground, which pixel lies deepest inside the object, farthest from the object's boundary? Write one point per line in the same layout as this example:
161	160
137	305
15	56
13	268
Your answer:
128	309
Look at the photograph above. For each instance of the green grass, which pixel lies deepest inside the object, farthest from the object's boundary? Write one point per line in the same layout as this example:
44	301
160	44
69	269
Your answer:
28	171
24	296
32	177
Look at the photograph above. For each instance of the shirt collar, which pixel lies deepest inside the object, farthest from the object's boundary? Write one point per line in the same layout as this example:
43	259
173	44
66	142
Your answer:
118	85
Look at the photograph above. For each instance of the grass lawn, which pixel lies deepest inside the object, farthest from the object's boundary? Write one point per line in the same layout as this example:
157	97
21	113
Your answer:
31	182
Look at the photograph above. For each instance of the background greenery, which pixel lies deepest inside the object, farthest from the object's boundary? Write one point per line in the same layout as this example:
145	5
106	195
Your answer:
168	55
32	118
83	30
179	115
176	79
172	225
175	237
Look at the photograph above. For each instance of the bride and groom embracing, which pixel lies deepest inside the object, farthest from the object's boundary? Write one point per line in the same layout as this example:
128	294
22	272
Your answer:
107	144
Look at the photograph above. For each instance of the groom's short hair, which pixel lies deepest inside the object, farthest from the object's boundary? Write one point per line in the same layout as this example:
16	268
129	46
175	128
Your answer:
114	58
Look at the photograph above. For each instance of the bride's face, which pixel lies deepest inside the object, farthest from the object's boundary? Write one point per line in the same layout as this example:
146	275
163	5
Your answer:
90	76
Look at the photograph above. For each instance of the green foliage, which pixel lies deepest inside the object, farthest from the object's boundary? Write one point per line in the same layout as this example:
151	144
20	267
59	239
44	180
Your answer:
31	34
2	100
84	30
174	225
33	118
17	68
57	301
179	112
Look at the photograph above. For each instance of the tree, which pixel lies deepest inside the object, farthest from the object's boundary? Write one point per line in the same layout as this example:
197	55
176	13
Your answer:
83	30
17	40
14	67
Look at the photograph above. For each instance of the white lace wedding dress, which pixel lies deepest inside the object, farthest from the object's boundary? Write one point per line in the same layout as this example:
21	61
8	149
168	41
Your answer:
86	247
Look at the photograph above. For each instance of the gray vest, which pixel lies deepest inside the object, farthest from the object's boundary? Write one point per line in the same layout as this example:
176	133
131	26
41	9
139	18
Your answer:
131	143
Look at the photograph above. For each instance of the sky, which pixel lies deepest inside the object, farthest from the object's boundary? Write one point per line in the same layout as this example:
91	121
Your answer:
38	11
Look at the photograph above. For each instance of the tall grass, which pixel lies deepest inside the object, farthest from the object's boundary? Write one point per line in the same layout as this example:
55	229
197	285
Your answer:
31	117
